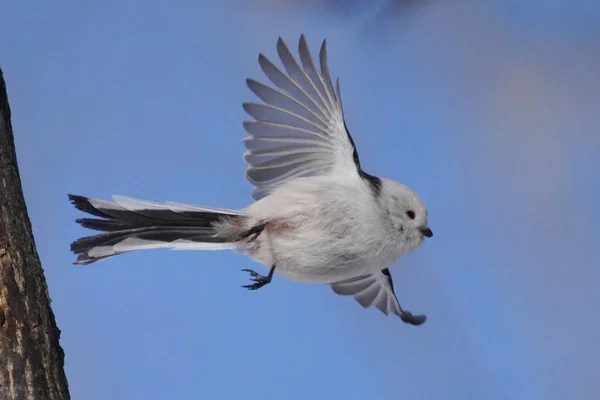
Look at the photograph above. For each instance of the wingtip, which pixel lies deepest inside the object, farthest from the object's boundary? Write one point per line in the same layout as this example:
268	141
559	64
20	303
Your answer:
264	62
323	50
280	42
415	320
246	106
282	47
262	58
304	48
254	86
302	40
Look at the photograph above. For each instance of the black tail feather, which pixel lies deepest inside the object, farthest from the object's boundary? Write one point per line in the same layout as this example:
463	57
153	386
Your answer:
83	204
119	224
146	217
104	225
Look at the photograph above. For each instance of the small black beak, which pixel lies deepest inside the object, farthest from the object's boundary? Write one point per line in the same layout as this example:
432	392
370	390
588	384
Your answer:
426	232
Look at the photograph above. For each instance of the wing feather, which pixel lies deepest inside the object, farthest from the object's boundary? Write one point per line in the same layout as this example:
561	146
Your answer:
299	129
371	290
278	98
298	74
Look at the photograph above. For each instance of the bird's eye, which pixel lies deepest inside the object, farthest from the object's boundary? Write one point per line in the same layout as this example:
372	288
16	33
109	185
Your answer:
411	214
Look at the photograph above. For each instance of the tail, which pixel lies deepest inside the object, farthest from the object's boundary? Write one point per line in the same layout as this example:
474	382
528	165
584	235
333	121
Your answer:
131	224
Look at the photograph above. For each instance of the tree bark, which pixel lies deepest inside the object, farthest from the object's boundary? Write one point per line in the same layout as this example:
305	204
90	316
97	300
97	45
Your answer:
31	359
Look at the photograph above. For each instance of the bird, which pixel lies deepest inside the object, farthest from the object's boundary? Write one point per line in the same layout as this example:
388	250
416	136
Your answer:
316	216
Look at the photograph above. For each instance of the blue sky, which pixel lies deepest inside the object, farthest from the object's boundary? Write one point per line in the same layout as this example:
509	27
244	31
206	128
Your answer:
488	109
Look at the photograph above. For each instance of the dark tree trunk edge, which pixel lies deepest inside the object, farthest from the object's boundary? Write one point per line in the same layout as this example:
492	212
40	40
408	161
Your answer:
31	359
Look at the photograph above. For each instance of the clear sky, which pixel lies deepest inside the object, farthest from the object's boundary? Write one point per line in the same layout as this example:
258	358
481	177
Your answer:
488	109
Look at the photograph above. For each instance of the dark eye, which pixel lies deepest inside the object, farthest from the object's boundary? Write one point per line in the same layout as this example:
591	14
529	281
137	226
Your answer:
411	214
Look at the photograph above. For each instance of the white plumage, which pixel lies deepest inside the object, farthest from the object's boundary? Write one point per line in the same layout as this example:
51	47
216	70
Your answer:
318	217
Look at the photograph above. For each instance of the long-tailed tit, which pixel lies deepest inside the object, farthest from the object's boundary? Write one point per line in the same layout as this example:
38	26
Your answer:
317	216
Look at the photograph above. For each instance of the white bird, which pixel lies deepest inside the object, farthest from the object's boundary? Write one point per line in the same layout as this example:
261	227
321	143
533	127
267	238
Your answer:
317	216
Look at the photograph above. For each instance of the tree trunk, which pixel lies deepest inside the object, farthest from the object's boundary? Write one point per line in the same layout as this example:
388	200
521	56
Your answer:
31	359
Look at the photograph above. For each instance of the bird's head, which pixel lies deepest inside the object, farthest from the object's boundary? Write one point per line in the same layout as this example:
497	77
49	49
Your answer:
407	212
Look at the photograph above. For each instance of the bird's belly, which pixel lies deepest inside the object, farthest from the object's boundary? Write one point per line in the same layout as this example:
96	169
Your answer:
317	231
313	267
321	259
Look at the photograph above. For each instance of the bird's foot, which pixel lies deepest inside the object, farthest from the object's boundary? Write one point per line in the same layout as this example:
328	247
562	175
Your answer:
259	280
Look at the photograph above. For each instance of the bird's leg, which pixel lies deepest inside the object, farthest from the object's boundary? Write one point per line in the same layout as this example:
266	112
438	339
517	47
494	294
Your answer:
406	316
256	230
259	280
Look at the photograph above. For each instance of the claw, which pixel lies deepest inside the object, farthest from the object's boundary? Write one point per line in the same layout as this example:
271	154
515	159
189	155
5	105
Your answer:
254	286
256	277
259	280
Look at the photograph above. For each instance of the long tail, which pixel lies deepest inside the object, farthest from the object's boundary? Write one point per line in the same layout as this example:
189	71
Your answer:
130	224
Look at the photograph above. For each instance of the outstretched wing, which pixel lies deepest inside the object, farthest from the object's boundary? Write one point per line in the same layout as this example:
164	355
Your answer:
371	290
299	130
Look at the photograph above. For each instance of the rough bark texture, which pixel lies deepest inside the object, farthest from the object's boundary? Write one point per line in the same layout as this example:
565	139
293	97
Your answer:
31	359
